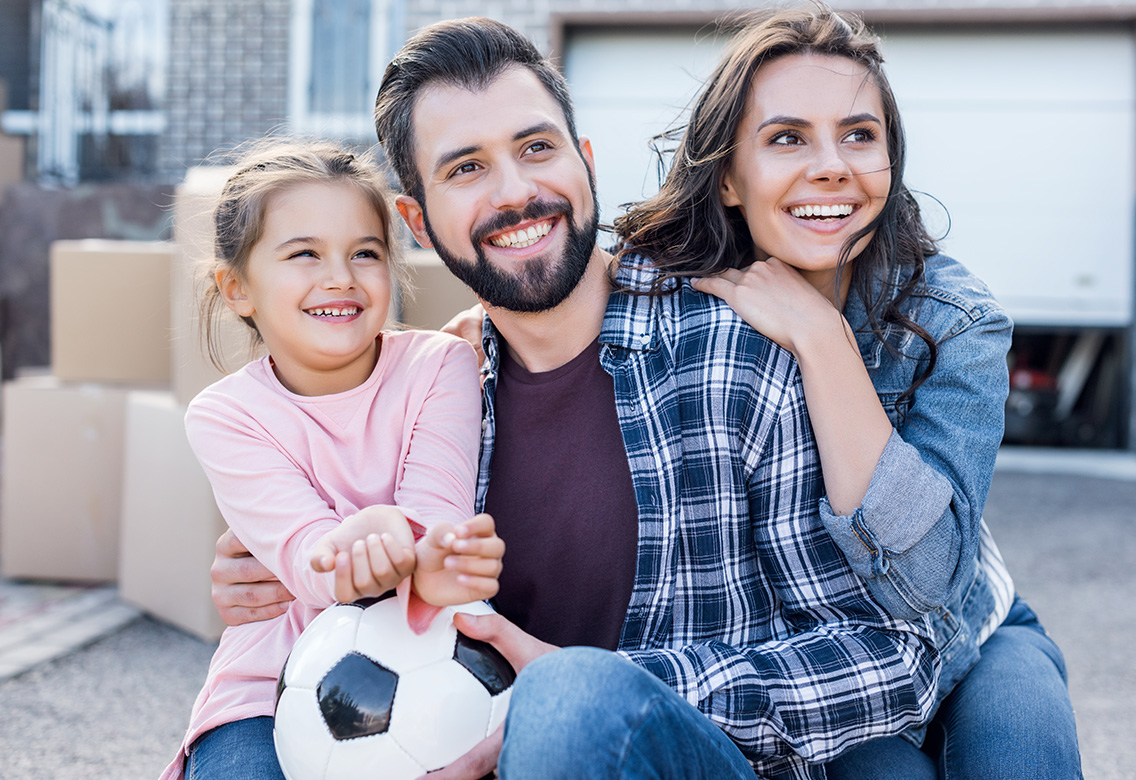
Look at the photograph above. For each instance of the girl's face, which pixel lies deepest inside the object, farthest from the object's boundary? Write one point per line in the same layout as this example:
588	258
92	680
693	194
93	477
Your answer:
811	165
317	286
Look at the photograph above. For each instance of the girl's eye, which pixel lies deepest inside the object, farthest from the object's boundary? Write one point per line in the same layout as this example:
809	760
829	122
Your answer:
368	254
303	253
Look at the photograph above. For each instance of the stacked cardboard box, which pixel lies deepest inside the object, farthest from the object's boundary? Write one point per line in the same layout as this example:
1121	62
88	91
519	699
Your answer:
99	483
437	295
170	521
61	502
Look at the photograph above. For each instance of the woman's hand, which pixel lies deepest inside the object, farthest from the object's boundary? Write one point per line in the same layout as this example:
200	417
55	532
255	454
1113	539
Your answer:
776	300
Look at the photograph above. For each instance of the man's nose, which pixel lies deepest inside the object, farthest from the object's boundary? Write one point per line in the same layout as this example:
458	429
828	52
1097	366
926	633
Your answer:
513	187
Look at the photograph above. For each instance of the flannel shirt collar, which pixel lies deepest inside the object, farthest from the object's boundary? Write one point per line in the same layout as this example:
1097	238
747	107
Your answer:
631	320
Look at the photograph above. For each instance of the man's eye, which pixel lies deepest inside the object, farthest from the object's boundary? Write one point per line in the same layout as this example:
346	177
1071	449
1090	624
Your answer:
538	146
468	167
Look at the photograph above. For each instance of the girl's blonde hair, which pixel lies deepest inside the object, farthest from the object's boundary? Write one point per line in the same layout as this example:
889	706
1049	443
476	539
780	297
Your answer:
265	168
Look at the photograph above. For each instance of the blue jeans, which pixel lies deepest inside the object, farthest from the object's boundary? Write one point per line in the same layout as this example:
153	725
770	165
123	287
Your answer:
241	750
583	712
1009	717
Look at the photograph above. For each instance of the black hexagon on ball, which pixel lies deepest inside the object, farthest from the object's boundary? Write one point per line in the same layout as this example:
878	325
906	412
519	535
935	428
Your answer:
356	696
485	663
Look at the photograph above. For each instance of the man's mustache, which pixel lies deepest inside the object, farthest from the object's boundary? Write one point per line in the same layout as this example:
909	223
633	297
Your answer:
537	209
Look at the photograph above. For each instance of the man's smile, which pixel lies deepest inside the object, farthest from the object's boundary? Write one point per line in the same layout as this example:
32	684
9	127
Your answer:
522	237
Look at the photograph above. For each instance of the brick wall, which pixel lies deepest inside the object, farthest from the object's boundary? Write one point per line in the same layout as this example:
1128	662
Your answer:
227	78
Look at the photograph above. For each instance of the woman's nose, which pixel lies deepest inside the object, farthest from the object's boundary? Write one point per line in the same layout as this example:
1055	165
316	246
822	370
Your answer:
829	164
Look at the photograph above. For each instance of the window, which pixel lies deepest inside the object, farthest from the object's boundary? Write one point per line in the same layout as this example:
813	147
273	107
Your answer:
339	50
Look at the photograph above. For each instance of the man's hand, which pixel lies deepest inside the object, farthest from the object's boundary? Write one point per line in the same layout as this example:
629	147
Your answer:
519	650
244	591
479	762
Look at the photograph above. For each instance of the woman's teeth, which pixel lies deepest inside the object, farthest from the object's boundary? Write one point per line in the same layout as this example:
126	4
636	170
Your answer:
841	210
329	312
519	239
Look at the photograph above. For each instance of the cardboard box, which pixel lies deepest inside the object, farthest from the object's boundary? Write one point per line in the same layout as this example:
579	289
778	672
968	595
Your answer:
438	295
110	311
61	502
170	521
190	368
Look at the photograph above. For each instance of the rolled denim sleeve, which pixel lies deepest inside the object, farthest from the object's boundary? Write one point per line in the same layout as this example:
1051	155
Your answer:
915	534
905	512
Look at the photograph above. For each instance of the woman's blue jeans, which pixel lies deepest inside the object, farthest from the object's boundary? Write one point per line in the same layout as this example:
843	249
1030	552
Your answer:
1009	718
582	712
241	750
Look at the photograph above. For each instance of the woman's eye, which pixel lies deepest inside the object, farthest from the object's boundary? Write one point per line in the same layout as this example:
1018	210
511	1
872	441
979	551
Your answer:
787	139
861	136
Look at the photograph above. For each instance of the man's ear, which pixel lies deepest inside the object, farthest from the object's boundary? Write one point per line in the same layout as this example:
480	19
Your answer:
233	293
585	146
414	218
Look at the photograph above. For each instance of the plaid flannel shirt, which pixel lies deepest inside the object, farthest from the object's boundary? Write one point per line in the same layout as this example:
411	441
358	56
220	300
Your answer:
742	603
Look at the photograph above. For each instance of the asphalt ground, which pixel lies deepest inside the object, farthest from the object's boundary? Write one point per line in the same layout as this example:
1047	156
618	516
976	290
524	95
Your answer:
117	708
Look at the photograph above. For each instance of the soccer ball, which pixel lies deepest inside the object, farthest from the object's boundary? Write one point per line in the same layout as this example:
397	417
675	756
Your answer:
361	695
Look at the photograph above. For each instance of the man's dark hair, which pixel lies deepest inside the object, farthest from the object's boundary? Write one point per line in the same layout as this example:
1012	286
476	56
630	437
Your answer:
468	53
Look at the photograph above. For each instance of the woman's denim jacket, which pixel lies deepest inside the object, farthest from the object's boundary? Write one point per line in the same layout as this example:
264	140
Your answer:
916	538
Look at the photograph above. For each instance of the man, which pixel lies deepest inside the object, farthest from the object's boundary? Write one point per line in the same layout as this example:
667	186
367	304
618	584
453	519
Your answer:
647	459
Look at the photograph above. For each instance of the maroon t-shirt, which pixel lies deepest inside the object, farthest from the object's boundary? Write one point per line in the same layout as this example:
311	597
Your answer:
561	494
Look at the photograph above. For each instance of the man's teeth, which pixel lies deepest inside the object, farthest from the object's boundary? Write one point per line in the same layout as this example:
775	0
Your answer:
519	239
331	312
841	210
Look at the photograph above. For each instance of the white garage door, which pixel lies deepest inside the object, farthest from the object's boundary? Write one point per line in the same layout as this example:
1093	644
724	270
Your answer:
1027	139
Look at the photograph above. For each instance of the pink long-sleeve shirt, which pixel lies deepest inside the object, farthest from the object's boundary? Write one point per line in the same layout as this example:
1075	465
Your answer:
286	469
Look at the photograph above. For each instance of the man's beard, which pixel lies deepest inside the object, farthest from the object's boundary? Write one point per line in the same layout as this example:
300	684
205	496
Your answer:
539	285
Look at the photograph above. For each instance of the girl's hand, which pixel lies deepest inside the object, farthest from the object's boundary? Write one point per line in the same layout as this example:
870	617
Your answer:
459	564
370	552
775	299
467	325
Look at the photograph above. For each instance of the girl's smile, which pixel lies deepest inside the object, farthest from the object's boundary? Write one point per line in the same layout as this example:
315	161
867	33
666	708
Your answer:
317	286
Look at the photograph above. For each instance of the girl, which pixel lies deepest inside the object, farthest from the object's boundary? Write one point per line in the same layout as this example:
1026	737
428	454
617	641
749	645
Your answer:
330	456
786	199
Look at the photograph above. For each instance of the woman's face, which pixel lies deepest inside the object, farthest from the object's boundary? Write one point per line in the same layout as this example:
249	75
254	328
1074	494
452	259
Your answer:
810	166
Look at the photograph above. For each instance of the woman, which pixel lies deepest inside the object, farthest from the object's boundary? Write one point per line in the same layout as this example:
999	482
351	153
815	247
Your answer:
786	199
